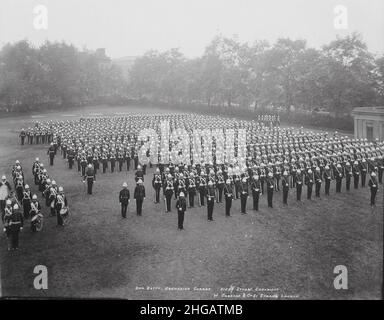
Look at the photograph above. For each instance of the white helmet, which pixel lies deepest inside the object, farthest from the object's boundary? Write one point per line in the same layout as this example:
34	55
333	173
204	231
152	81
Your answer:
34	197
26	186
181	194
8	202
61	189
125	185
15	206
53	182
37	159
4	178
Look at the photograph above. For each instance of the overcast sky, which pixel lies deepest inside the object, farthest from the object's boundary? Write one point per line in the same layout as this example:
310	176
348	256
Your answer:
131	27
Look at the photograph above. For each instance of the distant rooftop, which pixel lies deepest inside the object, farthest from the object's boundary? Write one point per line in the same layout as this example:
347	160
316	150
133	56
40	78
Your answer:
369	110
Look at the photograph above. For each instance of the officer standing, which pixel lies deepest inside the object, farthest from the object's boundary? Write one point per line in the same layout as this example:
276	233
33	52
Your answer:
124	199
90	176
51	153
228	193
210	200
139	196
181	205
373	186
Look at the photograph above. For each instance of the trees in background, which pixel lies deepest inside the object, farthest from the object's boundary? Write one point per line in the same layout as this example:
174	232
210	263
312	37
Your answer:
56	74
284	76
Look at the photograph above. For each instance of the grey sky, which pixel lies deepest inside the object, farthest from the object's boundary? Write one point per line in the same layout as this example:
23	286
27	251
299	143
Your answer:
131	27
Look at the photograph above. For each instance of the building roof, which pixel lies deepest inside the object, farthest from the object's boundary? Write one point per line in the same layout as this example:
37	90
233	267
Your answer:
369	111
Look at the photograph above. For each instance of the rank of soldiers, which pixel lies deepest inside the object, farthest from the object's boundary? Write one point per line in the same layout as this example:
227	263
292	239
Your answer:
232	159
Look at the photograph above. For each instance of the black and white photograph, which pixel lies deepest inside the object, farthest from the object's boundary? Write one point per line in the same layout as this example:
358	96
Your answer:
229	151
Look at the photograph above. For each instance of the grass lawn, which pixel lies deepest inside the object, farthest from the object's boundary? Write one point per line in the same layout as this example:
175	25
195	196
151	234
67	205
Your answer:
290	250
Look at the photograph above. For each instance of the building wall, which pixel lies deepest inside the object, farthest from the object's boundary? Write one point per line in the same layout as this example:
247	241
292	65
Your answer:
362	122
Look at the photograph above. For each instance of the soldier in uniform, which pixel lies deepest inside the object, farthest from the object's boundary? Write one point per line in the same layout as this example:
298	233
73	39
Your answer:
210	200
15	223
270	188
168	192
318	181
60	203
90	176
348	176
327	178
27	196
124	199
156	184
112	159
339	177
299	184
22	136
104	161
139	175
356	174
220	185
373	185
5	219
71	158
52	194
228	194
5	190
139	196
181	206
380	167
51	153
309	182
191	189
256	191
83	163
202	188
364	171
285	184
35	209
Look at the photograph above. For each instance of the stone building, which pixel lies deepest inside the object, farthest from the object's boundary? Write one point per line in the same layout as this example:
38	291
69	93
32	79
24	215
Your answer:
369	123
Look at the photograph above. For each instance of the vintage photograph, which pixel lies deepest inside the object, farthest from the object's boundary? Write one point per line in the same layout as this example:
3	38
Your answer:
199	150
